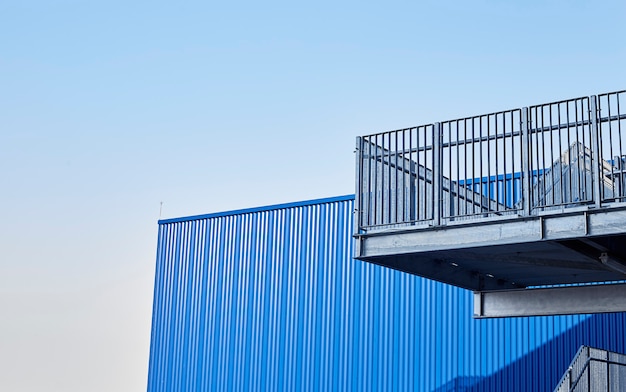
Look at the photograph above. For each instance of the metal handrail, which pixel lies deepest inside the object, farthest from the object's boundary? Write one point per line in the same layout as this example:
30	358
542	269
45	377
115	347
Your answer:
586	367
504	159
585	352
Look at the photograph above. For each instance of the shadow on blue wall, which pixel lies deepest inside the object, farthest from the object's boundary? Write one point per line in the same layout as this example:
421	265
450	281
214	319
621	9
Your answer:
605	331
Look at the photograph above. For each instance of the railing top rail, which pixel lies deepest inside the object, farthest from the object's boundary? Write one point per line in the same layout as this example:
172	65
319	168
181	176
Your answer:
398	130
459	119
586	98
612	93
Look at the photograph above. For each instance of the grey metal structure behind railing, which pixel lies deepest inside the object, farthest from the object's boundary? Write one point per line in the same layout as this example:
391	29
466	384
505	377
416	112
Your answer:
594	369
514	163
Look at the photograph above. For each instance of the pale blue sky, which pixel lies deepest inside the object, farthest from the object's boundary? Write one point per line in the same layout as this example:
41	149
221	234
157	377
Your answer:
109	108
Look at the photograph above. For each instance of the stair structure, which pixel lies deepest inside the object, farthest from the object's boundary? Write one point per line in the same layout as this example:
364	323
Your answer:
592	370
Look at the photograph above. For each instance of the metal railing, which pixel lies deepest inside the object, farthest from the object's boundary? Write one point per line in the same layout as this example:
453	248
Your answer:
594	369
516	162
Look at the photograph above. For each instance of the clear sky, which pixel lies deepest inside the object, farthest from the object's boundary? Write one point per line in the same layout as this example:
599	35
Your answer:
108	108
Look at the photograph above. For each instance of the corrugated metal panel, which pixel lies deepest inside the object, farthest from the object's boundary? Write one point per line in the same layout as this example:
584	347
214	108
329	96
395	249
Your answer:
504	189
270	299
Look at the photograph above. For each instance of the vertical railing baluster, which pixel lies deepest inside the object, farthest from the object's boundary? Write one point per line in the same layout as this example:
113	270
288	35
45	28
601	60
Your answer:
376	201
370	201
621	153
481	191
396	186
595	153
571	149
389	179
458	169
403	212
525	161
414	183
437	175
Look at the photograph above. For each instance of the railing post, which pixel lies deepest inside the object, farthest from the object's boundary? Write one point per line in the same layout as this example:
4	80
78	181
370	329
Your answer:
358	152
357	194
608	372
437	175
569	379
596	159
588	368
525	130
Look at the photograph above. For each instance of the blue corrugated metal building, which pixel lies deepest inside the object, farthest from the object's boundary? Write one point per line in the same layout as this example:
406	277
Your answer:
271	299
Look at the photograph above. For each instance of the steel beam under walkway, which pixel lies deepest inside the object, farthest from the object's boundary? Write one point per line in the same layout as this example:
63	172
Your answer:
602	298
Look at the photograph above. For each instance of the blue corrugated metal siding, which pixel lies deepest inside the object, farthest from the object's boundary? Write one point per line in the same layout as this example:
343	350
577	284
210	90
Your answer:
270	299
504	189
